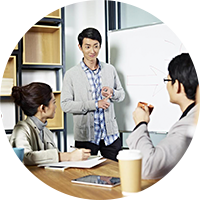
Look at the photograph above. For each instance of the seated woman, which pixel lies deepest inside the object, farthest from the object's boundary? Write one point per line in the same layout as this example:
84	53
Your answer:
38	103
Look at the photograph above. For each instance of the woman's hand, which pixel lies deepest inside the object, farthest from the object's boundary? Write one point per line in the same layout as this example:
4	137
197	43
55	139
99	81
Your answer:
80	154
76	155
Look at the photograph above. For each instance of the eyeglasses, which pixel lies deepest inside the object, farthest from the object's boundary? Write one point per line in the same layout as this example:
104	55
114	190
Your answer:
167	80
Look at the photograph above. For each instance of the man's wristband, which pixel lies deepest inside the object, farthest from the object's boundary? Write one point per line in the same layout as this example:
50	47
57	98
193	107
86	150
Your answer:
139	125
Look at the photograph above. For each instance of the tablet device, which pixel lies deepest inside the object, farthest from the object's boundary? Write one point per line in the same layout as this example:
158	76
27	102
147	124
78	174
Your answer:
105	181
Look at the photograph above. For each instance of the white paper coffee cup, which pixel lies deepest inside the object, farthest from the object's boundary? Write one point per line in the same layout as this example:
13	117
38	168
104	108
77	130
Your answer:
130	168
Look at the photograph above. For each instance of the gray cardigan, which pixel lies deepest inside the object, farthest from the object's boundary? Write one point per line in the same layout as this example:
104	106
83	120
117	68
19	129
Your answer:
158	161
76	98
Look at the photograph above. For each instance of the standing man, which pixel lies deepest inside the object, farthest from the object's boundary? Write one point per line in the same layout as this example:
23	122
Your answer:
182	83
89	92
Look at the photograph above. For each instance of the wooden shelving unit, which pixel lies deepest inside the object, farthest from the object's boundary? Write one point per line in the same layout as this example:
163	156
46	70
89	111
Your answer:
58	121
42	46
9	77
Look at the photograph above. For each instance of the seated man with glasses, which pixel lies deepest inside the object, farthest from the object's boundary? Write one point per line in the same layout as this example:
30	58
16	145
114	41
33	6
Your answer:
187	176
182	85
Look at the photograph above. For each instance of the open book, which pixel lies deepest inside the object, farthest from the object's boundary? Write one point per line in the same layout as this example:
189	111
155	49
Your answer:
89	163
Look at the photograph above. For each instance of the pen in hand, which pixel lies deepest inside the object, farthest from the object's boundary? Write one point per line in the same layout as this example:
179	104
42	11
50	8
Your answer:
73	147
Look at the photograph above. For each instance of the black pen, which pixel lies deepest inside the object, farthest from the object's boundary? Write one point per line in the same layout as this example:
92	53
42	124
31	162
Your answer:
73	147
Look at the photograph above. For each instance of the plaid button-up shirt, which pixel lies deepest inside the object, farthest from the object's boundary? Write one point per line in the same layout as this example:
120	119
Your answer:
94	78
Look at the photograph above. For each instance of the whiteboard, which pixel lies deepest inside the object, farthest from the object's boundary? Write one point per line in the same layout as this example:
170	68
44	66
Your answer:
141	56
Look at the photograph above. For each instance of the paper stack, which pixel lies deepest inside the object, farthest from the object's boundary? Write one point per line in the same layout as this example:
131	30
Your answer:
91	162
6	86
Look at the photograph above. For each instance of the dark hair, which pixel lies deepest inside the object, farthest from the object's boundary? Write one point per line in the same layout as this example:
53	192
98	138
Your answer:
31	96
91	33
181	68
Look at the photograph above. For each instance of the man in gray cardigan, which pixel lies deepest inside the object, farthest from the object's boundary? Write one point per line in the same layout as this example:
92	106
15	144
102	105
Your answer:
89	92
182	84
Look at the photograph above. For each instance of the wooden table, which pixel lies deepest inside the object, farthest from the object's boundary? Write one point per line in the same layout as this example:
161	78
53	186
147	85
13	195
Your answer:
32	182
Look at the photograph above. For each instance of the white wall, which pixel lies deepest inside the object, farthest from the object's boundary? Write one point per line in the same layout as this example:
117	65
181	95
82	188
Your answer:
132	16
78	17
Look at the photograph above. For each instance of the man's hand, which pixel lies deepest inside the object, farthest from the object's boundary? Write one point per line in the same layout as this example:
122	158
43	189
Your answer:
140	115
104	103
106	91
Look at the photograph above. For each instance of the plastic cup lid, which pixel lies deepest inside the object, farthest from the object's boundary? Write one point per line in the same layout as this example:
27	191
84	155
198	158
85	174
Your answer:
129	155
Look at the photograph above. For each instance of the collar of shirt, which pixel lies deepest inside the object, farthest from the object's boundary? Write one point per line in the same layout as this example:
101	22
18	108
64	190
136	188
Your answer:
187	110
40	125
85	67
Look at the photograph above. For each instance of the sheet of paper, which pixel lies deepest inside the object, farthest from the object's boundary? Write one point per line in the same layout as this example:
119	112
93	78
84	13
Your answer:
91	162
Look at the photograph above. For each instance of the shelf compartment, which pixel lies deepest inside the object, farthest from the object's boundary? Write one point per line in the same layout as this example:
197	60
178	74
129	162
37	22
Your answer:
9	77
41	8
8	38
42	46
58	121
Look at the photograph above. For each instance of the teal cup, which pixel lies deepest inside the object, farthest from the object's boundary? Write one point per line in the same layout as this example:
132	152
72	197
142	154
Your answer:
15	157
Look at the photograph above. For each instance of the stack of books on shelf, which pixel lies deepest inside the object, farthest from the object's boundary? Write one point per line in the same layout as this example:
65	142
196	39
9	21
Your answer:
6	86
